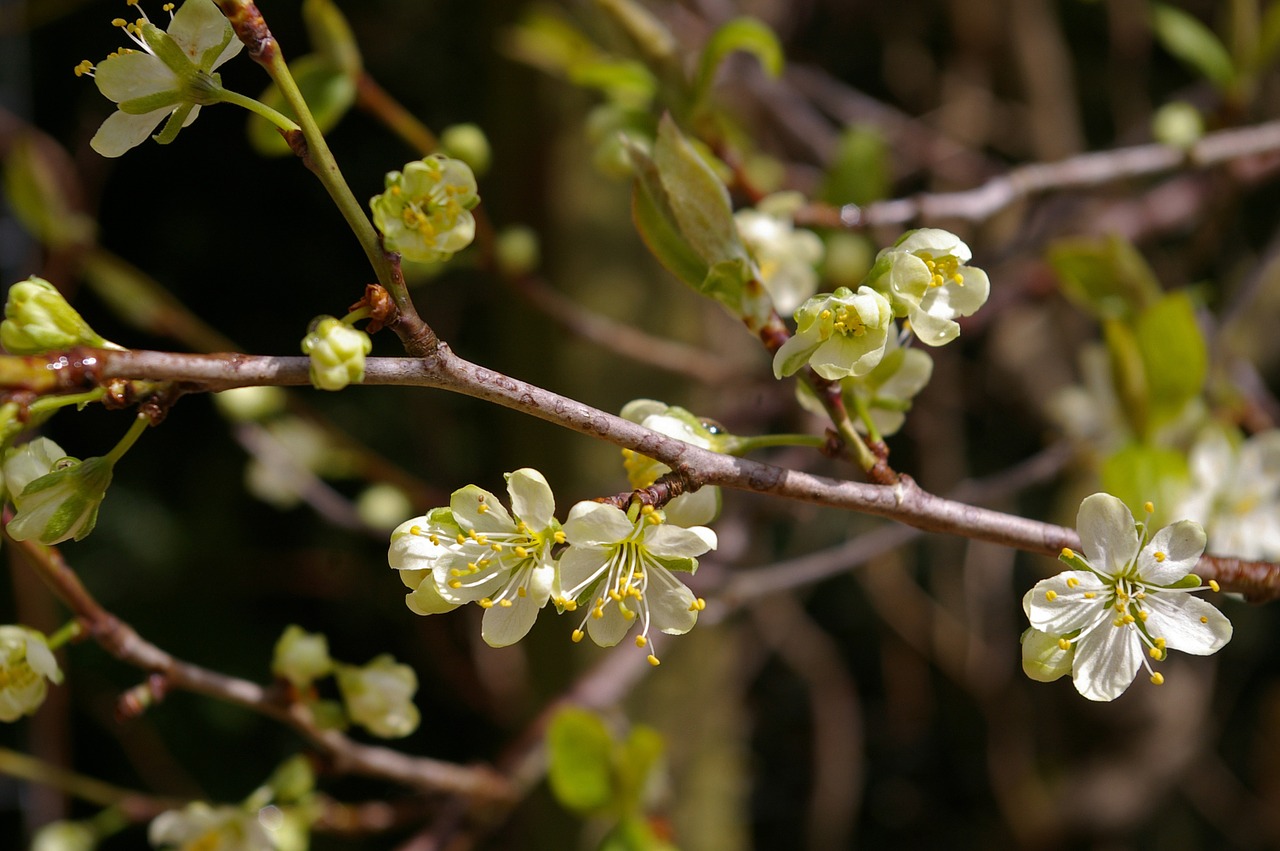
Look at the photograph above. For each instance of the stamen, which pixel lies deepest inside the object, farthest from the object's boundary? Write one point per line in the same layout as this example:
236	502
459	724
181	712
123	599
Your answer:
1213	585
1068	552
1072	582
1063	644
1157	678
1051	595
577	635
653	660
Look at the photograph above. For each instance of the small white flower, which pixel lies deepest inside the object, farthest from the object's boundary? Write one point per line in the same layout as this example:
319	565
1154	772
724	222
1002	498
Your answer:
1235	493
1127	595
200	827
787	257
838	334
930	283
26	663
56	498
425	212
474	551
621	566
301	657
688	509
337	352
169	76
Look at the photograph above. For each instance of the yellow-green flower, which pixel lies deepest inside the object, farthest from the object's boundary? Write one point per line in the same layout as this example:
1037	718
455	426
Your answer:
425	212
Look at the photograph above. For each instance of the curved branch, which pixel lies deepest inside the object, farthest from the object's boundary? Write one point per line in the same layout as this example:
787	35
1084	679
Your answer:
904	501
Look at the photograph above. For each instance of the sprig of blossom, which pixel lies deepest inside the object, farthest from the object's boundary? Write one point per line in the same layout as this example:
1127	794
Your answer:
687	509
169	75
619	567
1125	599
926	275
786	256
475	551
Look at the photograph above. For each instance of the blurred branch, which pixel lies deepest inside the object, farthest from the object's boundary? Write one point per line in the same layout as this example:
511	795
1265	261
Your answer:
344	755
1078	172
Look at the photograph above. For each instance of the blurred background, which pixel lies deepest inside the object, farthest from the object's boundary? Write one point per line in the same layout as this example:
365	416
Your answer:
850	684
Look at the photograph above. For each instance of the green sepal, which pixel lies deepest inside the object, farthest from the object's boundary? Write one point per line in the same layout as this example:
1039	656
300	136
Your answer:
1195	44
1191	580
624	81
748	35
580	762
1075	561
150	103
169	51
685	564
634	834
174	124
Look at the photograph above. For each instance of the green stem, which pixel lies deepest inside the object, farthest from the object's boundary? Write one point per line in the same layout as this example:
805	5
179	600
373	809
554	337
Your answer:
70	630
257	107
743	445
864	414
29	768
53	403
322	162
840	419
140	424
356	315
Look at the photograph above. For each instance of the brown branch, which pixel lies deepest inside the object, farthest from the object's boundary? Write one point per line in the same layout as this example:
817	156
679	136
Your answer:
1078	172
344	755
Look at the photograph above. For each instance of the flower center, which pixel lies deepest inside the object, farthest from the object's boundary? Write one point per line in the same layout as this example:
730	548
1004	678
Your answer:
943	270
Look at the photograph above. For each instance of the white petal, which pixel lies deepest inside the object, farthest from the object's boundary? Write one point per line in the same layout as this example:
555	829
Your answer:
608	630
1181	543
909	278
1107	659
1187	623
1107	533
426	600
465	504
668	541
122	131
504	626
966	298
531	498
126	76
931	329
1069	609
792	354
937	242
637	409
40	658
198	26
580	565
1043	659
670	603
693	509
597	523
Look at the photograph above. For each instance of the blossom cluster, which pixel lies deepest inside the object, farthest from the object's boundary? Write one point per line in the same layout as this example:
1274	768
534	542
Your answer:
617	567
852	337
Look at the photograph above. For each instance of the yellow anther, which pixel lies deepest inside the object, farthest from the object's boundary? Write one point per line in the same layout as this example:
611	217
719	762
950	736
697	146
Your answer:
1089	595
1072	582
1063	644
570	605
485	603
958	278
1204	620
482	508
1157	678
415	530
1051	595
479	539
1119	607
521	592
506	604
1161	643
597	613
653	660
1068	552
496	547
559	536
456	572
434	539
168	7
576	636
455	584
626	613
698	605
461	539
119	22
614	595
1118	622
1156	653
1142	615
1160	556
521	552
1149	507
1213	585
641	641
825	315
1128	619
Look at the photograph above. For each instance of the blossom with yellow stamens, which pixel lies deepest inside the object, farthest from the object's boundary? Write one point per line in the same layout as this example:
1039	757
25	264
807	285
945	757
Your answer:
1128	595
839	334
425	212
475	551
619	569
926	277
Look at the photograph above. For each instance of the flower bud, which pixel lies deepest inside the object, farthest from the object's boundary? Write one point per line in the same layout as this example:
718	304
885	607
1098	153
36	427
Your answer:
1043	658
301	657
517	251
379	696
468	143
425	212
26	662
65	836
38	319
250	404
56	497
337	353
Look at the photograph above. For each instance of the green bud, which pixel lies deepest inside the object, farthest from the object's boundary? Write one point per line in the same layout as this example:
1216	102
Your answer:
517	251
337	353
467	142
63	504
383	506
250	404
301	657
293	780
38	319
1178	123
1043	658
65	836
379	696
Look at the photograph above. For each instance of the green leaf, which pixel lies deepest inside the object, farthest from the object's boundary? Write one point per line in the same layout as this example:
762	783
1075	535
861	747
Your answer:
37	175
328	90
740	34
580	761
860	172
657	224
331	35
623	81
648	33
1128	374
1195	44
697	198
638	756
1140	472
1174	355
1106	276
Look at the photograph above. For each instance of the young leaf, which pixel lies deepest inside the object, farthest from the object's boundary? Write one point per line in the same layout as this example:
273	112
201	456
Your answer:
740	34
1107	277
1173	354
1194	43
697	197
1140	472
580	761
